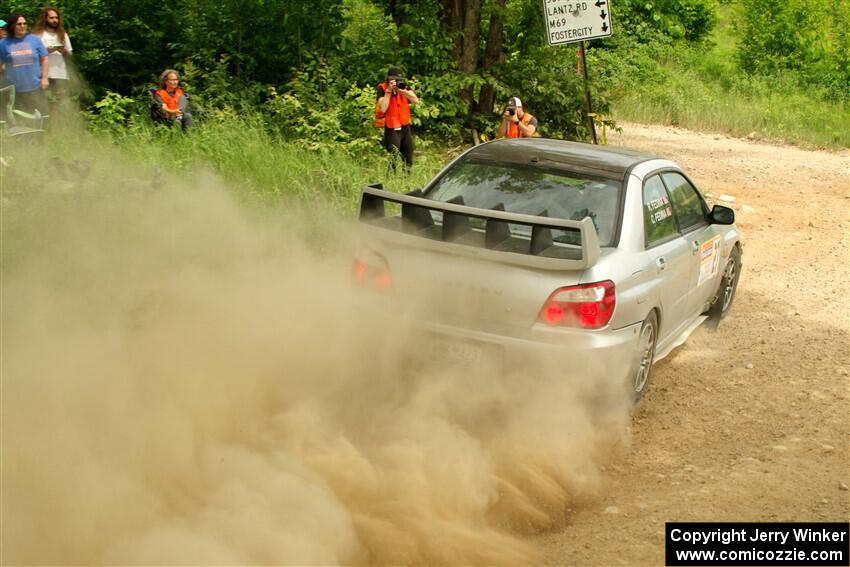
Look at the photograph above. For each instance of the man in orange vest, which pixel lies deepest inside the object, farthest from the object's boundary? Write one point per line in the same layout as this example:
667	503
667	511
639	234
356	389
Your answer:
517	123
394	98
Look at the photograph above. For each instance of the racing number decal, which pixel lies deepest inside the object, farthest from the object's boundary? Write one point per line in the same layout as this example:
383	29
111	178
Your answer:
709	261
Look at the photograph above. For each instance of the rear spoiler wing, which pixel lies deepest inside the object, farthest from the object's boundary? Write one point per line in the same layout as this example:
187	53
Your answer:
416	227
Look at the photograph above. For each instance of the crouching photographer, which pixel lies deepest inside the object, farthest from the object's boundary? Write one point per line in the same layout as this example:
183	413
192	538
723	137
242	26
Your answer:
516	123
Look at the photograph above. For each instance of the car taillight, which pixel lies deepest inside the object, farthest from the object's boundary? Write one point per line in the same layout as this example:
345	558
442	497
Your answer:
372	271
588	306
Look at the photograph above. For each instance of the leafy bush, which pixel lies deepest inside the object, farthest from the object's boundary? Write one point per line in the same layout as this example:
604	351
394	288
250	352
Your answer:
811	37
115	111
646	20
368	41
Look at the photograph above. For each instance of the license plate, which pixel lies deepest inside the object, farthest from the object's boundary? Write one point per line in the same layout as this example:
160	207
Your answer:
465	353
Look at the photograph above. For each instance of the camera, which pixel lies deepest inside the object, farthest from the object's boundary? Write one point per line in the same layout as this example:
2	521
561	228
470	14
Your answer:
401	85
512	111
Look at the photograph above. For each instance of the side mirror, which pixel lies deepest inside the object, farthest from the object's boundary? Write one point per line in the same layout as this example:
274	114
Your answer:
721	215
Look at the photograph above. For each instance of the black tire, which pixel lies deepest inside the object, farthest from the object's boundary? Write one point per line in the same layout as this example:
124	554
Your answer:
722	301
644	356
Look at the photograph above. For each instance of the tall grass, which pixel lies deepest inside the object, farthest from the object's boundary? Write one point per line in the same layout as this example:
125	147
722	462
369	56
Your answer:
137	161
701	88
769	107
254	163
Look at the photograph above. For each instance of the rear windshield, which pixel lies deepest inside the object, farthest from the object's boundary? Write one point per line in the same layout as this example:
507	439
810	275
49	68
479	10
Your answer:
532	190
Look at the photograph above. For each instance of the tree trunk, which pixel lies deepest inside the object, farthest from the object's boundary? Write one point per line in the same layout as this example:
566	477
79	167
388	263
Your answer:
398	18
462	18
470	37
493	54
453	21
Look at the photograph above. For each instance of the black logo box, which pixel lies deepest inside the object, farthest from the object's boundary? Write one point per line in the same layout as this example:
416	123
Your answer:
757	543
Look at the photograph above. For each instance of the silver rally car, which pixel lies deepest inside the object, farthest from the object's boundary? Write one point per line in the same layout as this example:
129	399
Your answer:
525	247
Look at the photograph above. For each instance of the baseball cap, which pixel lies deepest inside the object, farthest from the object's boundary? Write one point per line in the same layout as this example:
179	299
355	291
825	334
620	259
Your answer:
514	102
2	23
394	73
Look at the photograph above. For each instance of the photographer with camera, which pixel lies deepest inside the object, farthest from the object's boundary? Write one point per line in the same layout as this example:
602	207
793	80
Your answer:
392	106
517	123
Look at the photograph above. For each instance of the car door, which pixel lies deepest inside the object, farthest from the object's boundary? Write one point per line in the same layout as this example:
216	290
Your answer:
669	253
703	239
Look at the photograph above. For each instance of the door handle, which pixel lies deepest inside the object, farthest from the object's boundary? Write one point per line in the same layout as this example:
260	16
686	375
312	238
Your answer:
694	246
661	264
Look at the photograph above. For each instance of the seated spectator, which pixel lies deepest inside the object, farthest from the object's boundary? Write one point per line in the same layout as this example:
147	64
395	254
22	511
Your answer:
171	103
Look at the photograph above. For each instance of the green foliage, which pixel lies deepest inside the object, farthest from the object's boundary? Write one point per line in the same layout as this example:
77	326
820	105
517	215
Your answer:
650	20
118	45
550	89
367	42
311	108
442	111
261	165
262	41
306	71
212	86
704	90
114	111
811	37
776	33
426	49
546	78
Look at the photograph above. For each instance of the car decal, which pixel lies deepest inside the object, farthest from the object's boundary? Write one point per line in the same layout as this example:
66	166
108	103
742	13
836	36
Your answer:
709	262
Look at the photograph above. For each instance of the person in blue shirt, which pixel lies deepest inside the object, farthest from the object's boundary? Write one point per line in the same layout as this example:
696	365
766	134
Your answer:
23	61
3	94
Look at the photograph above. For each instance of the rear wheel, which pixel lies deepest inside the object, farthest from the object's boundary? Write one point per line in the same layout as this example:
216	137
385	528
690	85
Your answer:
645	356
728	284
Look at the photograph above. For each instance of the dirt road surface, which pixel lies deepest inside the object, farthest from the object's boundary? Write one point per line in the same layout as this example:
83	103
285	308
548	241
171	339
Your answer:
749	422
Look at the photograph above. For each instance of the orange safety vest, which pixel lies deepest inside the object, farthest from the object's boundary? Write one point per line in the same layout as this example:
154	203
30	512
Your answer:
171	102
398	111
513	129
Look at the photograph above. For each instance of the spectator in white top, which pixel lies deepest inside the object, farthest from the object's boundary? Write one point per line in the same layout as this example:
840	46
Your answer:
51	30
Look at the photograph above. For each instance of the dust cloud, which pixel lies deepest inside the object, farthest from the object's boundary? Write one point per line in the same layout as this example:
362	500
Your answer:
187	380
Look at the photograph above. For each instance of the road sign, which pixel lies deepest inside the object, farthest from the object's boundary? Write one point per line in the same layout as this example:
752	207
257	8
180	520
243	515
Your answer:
568	21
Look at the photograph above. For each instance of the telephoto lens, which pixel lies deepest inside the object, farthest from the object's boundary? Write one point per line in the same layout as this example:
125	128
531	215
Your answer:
402	85
512	111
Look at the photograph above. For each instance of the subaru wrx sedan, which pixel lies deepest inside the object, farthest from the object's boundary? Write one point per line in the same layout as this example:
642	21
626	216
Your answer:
537	245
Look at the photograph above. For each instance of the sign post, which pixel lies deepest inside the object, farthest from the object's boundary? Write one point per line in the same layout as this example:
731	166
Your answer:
568	21
590	124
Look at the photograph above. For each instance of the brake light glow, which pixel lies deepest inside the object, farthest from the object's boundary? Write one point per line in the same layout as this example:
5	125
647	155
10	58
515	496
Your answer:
374	274
589	306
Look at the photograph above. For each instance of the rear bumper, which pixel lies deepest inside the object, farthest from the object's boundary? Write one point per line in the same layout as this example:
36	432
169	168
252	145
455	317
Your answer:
609	354
606	355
